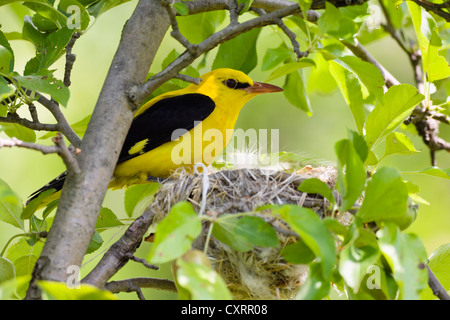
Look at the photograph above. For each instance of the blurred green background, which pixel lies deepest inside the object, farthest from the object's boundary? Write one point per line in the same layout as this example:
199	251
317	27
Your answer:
315	136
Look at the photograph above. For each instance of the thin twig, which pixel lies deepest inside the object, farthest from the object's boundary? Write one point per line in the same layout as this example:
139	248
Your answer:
435	8
138	92
132	257
135	284
14	142
435	286
70	58
176	34
234	9
291	35
188	78
67	154
34	125
361	52
64	126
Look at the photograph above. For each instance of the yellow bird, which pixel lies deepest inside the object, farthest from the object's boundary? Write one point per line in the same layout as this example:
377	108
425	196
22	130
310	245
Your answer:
171	130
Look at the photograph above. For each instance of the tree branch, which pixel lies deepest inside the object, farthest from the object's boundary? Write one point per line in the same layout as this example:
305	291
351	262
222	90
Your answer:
63	126
135	285
436	286
70	58
68	156
82	194
120	252
435	8
34	125
138	93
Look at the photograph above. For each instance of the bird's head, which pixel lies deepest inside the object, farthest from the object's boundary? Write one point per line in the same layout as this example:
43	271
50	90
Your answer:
233	86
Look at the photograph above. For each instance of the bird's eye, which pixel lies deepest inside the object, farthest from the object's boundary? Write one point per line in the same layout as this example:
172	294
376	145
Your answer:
231	83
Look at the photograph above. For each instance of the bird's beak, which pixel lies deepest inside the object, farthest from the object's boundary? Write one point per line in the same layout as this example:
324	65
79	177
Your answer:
260	87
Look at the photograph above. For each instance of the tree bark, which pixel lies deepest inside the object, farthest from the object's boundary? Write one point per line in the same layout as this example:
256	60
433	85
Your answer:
83	193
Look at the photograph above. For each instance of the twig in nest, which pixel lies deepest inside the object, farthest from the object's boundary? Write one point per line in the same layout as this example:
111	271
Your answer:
70	58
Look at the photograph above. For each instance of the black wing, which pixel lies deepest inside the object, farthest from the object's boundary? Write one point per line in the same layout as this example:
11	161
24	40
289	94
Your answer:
158	122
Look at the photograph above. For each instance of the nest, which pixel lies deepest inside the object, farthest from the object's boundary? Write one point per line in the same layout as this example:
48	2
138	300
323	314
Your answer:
260	273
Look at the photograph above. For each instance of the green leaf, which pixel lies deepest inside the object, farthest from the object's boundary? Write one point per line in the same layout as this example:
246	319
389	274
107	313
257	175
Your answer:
49	50
257	232
46	84
305	5
175	233
46	10
10	206
350	88
181	8
107	220
333	22
432	171
4	44
298	253
96	242
61	291
367	73
386	197
5	59
100	7
290	67
407	259
398	143
274	57
357	256
238	53
5	91
138	197
247	5
434	64
18	131
312	231
200	281
439	263
388	114
316	286
83	17
314	185
351	173
198	27
224	231
34	204
295	91
25	264
7	270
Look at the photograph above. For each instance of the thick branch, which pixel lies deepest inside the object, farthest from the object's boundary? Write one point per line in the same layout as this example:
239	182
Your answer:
82	194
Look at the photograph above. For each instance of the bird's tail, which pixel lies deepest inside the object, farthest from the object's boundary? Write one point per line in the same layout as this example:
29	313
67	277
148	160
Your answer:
56	184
